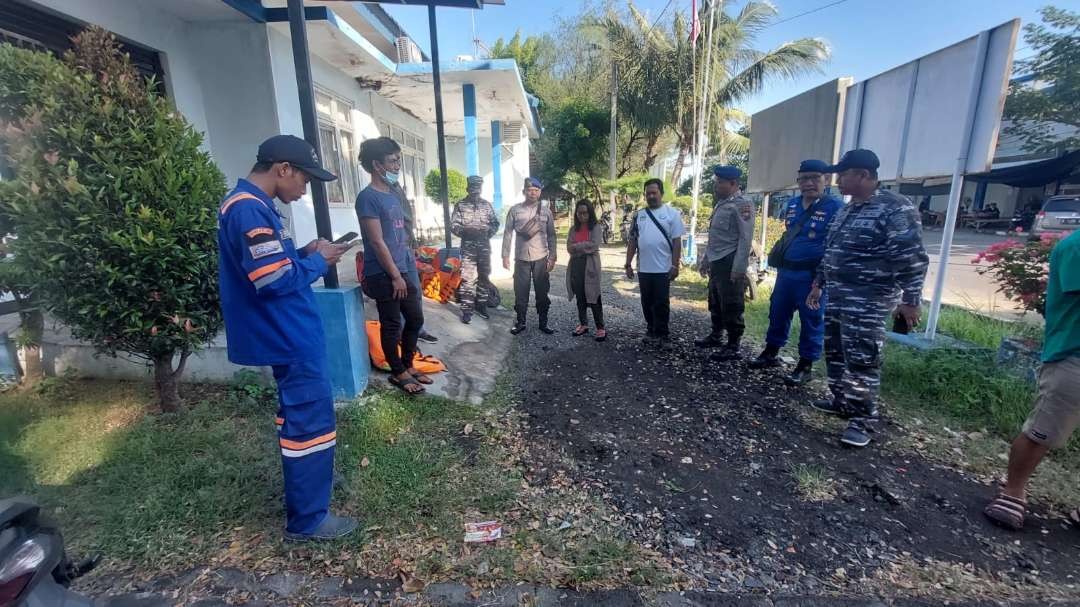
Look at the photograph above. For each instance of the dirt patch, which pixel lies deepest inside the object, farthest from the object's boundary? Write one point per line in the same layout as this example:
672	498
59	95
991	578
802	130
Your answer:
699	458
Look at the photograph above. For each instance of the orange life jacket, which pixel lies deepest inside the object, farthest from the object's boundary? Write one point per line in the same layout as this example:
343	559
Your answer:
421	362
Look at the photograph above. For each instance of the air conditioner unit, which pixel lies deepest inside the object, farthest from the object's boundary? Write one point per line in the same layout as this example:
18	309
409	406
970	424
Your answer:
512	131
407	51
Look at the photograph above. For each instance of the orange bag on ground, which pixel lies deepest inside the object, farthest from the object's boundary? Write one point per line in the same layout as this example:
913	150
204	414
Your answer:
422	363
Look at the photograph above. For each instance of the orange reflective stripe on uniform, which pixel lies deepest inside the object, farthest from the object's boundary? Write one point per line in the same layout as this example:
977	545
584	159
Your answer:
237	198
290	448
270	272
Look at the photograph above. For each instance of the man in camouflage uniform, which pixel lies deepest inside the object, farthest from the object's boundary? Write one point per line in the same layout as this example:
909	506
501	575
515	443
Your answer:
726	260
474	221
873	253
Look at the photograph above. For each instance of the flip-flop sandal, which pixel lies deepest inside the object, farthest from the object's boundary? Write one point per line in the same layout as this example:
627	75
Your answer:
1007	511
580	330
403	385
422	378
601	335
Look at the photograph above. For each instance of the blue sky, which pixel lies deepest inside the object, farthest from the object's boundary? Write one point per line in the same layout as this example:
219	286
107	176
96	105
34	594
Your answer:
866	36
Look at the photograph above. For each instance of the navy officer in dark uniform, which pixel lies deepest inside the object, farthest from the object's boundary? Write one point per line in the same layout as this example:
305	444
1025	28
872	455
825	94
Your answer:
271	319
799	252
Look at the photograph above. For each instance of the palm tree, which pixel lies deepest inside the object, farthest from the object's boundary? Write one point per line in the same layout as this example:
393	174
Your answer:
657	76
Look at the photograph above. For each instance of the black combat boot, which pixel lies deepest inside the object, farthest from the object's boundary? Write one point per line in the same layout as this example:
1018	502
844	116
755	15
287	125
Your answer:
767	359
519	326
801	374
544	325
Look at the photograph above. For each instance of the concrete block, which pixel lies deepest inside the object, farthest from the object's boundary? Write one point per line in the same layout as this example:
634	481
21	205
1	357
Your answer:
342	312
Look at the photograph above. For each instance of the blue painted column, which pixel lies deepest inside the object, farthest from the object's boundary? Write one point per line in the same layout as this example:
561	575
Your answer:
496	165
472	148
342	312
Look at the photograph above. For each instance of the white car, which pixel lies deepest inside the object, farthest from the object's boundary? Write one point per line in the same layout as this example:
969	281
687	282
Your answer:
1058	214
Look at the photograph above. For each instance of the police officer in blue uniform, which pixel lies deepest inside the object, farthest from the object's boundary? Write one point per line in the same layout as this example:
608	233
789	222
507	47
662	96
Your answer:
798	254
874	260
271	319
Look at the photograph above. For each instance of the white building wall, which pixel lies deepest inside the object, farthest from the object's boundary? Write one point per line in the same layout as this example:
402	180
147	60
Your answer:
238	91
157	30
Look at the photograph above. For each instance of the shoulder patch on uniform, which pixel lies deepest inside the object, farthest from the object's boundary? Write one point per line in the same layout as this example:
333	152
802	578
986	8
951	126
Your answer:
746	210
265	249
259	235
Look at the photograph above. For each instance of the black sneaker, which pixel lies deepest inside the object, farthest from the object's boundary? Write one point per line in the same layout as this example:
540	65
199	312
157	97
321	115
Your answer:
709	341
728	353
832	406
765	360
466	317
801	374
857	433
546	330
332	528
650	341
428	337
664	342
519	327
483	313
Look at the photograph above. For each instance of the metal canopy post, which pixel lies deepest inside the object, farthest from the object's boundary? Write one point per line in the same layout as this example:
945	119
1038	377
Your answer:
957	185
306	90
440	131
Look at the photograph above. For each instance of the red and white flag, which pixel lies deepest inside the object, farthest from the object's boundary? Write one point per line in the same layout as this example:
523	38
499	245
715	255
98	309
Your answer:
695	25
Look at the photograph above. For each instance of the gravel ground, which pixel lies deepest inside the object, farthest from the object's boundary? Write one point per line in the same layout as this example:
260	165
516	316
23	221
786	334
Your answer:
701	458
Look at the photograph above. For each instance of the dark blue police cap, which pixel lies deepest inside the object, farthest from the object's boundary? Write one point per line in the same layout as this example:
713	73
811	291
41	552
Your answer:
295	151
726	171
532	182
856	159
813	165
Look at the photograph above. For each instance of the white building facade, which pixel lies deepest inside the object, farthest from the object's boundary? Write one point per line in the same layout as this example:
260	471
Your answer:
227	66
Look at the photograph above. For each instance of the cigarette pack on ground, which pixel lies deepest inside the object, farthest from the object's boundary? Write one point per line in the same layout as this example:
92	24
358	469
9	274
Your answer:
488	531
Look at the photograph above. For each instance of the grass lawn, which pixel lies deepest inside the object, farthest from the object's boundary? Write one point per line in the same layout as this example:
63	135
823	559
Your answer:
155	493
949	399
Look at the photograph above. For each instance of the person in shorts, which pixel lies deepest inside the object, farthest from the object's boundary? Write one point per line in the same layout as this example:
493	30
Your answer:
1057	406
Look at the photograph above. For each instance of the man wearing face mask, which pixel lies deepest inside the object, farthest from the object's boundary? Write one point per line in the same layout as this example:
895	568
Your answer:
534	255
390	275
726	261
796	257
271	319
474	221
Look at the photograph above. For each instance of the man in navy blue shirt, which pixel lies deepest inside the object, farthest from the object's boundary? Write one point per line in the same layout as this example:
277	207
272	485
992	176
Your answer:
807	218
390	275
271	319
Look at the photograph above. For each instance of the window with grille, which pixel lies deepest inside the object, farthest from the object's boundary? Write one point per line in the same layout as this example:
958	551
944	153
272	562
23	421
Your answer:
338	148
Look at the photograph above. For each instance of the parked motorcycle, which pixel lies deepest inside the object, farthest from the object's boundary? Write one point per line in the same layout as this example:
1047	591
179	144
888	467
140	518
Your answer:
609	231
34	569
1023	219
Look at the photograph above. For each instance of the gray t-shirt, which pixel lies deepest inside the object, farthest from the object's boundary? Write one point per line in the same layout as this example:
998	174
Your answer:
654	250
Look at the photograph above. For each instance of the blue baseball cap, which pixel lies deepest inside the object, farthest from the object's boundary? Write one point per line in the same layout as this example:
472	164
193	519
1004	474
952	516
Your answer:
856	159
532	182
295	151
813	165
726	171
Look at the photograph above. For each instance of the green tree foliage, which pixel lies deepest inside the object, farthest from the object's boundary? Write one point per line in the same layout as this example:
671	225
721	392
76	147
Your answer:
535	56
1037	110
114	205
572	149
455	182
660	58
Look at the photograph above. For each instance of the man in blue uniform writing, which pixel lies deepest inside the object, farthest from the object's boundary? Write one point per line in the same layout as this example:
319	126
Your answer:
796	257
271	320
